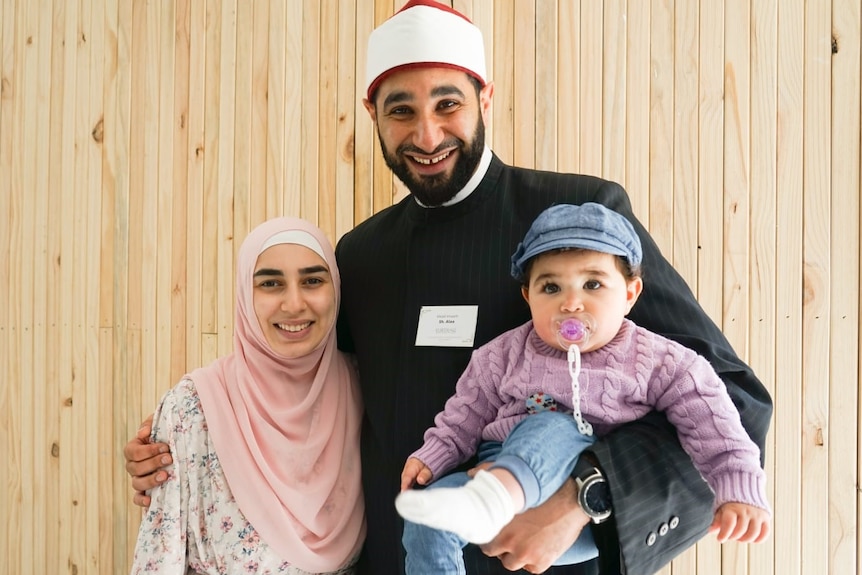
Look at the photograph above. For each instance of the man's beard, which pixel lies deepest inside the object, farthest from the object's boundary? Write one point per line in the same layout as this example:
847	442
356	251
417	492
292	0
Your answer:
436	190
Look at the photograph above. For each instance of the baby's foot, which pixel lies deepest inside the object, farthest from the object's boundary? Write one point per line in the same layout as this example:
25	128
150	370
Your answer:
475	512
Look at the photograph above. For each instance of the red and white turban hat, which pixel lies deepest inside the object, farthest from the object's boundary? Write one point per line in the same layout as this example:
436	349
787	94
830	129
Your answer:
424	33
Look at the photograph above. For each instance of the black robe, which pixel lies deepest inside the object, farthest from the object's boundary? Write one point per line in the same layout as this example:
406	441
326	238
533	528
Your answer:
408	256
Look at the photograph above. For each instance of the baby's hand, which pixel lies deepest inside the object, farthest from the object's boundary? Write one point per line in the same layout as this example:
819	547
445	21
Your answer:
740	522
414	470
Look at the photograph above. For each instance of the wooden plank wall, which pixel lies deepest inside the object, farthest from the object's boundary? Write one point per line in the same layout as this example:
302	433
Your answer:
141	140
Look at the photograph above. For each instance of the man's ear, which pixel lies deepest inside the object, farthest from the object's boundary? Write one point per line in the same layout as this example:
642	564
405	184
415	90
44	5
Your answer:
486	94
372	110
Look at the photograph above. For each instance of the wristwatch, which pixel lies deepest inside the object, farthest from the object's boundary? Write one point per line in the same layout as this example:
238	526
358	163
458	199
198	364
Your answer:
594	496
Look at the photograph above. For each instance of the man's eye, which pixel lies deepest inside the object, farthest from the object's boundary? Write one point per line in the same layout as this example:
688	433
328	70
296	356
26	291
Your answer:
447	104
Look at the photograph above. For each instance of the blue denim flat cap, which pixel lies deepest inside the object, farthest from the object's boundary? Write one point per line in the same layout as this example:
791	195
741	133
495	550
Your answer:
589	226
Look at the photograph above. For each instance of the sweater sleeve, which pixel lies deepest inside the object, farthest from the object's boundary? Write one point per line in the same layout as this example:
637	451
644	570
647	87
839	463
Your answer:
710	430
457	429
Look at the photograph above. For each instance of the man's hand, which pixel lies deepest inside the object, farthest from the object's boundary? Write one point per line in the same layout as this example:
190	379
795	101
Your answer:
533	540
144	461
740	522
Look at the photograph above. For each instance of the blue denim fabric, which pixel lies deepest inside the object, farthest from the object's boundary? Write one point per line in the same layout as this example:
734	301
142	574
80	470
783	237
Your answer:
541	452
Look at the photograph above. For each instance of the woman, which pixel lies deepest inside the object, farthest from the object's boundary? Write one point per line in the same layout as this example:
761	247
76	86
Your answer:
265	441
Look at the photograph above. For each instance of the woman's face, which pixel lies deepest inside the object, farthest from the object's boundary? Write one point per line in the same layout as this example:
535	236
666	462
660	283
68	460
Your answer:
294	299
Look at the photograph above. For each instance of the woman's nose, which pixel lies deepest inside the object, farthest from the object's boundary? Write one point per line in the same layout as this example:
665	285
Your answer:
293	300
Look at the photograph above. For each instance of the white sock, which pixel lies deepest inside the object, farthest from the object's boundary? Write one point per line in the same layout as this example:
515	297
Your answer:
475	512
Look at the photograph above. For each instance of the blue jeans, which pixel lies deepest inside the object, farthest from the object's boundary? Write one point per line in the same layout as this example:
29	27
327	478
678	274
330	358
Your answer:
541	452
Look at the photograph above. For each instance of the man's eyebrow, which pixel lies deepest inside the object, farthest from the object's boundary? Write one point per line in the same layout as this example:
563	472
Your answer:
397	98
447	90
402	96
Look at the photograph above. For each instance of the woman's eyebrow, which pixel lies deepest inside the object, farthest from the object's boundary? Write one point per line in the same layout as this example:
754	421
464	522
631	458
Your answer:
302	271
313	270
268	272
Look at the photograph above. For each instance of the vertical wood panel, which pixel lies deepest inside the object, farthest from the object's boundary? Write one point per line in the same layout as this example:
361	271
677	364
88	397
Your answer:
8	337
58	274
365	153
257	34
243	197
178	191
195	181
223	186
613	142
637	107
346	96
503	76
844	253
788	390
73	405
816	270
685	139
590	85
737	162
660	218
761	322
547	70
524	84
568	95
311	111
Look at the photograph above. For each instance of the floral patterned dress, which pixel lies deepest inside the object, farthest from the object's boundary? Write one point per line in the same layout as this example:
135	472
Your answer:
193	524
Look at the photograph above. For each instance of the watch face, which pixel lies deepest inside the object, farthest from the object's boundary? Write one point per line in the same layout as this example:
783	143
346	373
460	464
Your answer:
597	497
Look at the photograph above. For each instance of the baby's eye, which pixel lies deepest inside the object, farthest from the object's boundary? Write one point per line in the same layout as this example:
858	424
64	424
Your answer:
550	288
592	285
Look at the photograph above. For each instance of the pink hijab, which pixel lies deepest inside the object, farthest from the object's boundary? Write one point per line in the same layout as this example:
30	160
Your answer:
287	430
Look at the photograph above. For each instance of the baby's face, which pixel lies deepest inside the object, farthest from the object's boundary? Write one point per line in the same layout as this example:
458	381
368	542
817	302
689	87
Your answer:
568	283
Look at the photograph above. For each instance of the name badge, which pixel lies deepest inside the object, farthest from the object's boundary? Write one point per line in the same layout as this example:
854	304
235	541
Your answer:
447	325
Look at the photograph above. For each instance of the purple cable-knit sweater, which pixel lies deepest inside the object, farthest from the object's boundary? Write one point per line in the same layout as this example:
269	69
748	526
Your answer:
635	373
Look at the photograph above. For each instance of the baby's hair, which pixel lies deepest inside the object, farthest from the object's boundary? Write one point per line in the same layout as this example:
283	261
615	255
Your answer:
629	271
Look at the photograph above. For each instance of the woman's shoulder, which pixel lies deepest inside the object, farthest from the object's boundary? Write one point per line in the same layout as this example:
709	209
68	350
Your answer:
180	407
183	393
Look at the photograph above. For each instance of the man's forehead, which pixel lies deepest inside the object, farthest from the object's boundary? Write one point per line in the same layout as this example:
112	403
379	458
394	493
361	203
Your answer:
427	81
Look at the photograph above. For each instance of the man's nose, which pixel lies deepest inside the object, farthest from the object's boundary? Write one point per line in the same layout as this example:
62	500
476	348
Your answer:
428	133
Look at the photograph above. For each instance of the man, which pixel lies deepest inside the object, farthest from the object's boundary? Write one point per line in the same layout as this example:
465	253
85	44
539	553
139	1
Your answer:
426	281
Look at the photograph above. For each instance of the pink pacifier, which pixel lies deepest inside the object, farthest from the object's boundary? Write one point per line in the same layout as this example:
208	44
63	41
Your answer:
574	330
